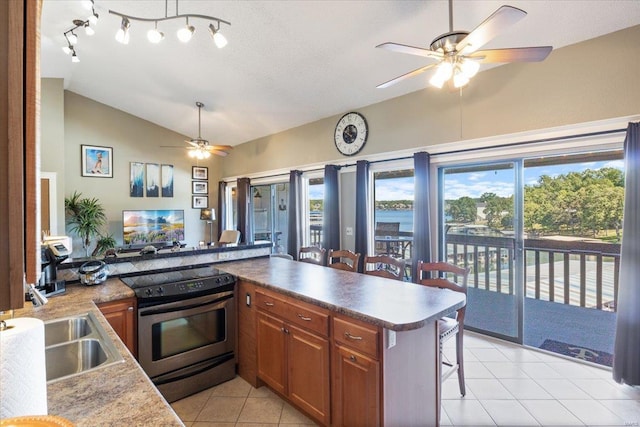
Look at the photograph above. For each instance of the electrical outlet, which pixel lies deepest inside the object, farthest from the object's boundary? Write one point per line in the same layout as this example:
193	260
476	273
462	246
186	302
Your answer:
391	338
349	231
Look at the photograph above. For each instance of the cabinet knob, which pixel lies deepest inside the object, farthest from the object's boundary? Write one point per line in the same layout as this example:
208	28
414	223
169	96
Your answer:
130	308
352	358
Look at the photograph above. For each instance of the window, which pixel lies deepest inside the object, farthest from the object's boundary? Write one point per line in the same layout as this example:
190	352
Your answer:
315	209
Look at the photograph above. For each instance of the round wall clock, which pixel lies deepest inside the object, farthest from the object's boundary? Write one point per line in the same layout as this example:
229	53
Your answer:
351	133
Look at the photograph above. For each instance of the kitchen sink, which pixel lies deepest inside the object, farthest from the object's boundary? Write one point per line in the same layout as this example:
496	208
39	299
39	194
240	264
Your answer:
75	345
64	330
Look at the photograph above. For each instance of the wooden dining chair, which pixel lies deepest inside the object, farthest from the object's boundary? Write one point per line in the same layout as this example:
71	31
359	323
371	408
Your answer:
448	276
343	260
384	266
312	255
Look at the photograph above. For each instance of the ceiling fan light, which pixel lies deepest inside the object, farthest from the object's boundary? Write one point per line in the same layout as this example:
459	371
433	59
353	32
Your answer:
459	80
437	81
122	36
445	70
469	68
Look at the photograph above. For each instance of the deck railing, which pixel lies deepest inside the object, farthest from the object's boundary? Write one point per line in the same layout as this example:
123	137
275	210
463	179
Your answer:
580	273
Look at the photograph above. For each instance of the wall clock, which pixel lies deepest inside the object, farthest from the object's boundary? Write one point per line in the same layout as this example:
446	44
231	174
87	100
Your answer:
351	133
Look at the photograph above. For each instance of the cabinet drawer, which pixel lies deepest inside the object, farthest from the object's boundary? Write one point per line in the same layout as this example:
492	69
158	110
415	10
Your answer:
271	304
357	336
307	318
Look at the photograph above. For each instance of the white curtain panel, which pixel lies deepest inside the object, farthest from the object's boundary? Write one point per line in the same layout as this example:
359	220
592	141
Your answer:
626	358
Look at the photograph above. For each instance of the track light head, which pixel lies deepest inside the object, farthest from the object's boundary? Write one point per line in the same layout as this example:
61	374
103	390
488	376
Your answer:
72	38
184	34
88	30
87	4
218	38
122	36
74	57
154	35
93	19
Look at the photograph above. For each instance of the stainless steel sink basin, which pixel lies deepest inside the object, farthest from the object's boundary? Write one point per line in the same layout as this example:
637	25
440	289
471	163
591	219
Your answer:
75	345
64	330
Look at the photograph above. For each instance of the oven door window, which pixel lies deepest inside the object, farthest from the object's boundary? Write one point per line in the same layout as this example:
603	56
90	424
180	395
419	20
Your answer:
175	336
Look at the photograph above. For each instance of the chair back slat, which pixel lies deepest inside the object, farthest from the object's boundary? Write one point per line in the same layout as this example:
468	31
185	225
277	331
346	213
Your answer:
312	255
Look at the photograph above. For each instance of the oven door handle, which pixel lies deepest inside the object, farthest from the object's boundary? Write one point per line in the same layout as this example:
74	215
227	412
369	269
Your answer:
152	311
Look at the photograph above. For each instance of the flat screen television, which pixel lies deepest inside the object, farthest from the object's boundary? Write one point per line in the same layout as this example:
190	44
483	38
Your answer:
152	226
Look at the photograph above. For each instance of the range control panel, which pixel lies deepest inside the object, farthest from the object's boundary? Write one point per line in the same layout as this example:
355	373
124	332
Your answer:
201	285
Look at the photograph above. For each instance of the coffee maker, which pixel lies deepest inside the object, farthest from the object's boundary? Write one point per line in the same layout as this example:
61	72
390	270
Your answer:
52	253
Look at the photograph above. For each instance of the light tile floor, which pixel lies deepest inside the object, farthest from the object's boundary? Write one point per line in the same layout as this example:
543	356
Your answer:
507	385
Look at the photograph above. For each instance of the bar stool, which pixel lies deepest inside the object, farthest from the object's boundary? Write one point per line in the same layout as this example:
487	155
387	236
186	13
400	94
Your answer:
448	327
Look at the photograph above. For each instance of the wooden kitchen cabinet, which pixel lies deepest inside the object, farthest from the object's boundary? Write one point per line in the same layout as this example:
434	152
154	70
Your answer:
293	353
122	316
356	374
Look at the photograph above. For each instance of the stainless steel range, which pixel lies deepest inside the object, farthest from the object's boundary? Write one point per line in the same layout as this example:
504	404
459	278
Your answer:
186	328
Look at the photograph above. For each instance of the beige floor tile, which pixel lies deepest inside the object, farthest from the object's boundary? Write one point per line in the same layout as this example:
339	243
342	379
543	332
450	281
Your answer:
573	370
263	410
592	413
476	370
628	410
222	409
291	415
467	413
537	370
519	354
444	419
489	355
263	392
602	389
189	407
562	389
508	413
237	387
523	388
211	424
256	425
488	389
505	369
550	413
451	390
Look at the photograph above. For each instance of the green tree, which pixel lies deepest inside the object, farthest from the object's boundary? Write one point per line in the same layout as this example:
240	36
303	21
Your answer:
462	210
498	210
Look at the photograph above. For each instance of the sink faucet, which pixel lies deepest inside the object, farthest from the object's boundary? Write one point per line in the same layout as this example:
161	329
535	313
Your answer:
33	295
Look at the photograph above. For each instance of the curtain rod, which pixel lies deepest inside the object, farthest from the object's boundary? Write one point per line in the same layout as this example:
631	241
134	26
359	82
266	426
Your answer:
467	150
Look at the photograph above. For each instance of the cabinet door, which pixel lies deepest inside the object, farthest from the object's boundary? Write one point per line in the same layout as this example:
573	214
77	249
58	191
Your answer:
121	315
271	349
356	389
308	372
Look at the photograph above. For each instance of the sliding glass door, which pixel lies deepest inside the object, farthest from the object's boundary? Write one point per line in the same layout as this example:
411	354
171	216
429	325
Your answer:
479	231
270	214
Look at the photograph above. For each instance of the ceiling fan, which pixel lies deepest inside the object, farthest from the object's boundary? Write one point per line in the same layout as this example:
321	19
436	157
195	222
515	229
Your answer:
457	51
199	147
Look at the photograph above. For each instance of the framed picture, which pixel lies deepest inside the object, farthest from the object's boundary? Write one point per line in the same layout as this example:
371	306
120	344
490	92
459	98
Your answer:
166	171
199	172
199	187
199	202
97	161
153	180
136	180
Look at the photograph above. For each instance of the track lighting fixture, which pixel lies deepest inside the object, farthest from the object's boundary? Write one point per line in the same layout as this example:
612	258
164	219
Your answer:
184	34
72	38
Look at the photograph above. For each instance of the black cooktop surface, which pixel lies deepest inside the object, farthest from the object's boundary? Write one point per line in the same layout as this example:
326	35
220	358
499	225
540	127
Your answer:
172	276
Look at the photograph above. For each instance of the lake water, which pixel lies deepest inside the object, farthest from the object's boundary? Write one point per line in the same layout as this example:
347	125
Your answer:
405	218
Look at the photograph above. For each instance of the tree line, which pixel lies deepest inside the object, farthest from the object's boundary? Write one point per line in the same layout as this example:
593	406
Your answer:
577	203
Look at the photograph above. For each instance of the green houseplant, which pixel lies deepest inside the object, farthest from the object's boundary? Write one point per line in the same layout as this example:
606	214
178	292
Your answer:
103	244
85	216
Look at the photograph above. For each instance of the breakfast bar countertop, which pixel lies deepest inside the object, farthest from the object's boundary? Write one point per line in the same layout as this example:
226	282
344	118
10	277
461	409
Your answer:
394	305
117	395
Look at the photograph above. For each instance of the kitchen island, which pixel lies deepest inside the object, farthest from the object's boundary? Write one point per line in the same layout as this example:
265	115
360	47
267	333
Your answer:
346	348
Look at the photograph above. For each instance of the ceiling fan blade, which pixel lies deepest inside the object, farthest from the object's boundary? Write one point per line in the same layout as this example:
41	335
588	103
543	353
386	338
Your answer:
411	50
518	54
405	76
172	146
218	152
485	32
219	147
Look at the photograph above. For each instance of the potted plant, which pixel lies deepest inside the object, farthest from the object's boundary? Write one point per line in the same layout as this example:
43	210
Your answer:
85	216
104	243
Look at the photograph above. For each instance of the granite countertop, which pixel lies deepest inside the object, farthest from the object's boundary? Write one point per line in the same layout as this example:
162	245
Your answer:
117	395
395	305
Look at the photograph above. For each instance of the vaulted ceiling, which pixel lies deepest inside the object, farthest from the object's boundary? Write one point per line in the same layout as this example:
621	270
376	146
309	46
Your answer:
287	62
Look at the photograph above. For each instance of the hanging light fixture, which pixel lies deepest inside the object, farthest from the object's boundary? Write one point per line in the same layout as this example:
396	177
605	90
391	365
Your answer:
72	38
122	35
184	34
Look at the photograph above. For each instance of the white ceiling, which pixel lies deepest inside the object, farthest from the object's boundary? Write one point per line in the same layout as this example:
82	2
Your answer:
287	62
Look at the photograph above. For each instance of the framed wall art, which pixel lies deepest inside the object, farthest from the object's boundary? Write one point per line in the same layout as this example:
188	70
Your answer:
199	202
199	172
136	180
199	187
166	171
97	161
153	180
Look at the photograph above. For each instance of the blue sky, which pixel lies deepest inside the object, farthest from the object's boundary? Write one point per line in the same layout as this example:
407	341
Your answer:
474	184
